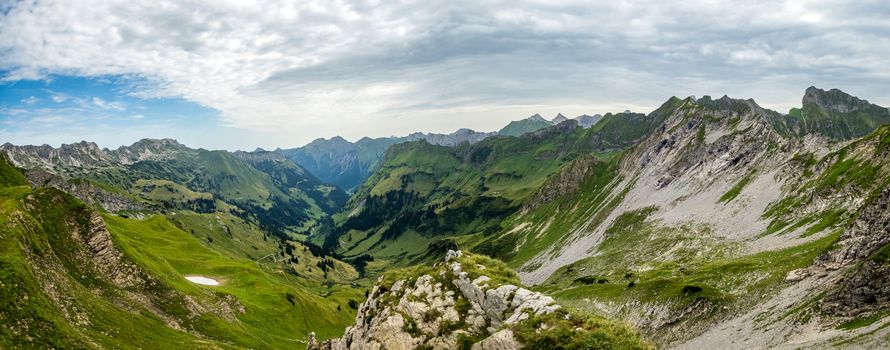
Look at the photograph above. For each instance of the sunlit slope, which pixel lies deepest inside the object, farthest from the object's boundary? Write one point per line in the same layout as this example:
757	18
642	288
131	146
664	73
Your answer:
73	282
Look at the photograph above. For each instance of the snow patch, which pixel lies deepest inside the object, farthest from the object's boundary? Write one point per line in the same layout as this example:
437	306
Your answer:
202	280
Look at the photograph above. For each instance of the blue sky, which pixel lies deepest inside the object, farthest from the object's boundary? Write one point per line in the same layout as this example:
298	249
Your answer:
240	74
63	109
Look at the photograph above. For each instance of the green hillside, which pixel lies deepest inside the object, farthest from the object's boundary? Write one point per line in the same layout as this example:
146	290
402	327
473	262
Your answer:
835	114
9	175
66	292
425	198
524	126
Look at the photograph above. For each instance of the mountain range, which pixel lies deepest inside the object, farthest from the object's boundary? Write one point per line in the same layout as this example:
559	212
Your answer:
348	164
706	223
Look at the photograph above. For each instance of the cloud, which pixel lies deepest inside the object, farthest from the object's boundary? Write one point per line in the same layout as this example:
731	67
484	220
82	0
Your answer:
59	98
30	100
116	106
320	68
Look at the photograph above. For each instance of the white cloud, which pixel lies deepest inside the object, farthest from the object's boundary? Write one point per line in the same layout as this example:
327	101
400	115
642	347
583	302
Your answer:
320	68
116	106
30	100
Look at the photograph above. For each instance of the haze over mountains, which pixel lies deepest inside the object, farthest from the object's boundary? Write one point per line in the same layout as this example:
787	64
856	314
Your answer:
706	223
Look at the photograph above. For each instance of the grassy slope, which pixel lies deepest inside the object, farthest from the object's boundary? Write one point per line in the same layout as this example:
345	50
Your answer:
859	170
82	309
9	175
32	318
423	193
641	261
836	125
171	253
525	126
460	185
546	226
278	195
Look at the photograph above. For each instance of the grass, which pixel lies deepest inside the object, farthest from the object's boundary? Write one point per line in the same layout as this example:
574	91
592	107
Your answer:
170	253
561	330
860	322
527	234
58	298
630	267
49	294
737	188
9	175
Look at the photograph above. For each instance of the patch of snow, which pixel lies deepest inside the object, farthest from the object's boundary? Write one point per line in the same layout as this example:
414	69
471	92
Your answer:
202	280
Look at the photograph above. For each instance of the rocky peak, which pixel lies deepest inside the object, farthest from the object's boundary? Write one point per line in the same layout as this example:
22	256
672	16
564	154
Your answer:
834	99
537	117
453	139
80	154
586	121
727	103
464	297
559	119
146	149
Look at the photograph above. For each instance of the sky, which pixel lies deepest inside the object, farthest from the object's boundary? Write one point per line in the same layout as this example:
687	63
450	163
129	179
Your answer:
241	74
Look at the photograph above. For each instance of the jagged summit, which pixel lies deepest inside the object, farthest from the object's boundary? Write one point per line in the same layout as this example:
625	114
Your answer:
559	119
834	99
727	103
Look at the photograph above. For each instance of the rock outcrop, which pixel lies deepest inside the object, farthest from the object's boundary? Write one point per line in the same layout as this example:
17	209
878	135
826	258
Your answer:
564	183
867	289
86	191
453	304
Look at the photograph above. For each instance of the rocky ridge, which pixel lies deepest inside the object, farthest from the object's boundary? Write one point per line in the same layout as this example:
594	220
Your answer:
452	305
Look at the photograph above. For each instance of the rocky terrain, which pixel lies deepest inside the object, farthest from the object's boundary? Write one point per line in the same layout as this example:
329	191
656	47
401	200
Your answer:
456	304
706	223
705	220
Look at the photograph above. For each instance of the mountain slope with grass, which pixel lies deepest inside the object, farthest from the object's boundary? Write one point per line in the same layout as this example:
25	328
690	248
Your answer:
714	228
347	164
704	221
261	187
426	198
77	278
707	223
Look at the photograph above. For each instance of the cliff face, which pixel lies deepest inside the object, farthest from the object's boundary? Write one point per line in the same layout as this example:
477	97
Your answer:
462	303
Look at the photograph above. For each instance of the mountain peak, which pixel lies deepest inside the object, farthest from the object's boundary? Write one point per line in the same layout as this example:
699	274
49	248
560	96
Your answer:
537	117
833	99
559	119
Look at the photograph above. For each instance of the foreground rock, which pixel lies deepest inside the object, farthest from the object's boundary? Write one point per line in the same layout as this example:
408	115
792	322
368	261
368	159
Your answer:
469	301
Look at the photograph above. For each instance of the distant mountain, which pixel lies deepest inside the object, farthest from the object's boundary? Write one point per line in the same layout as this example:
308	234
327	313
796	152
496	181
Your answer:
524	126
835	114
586	121
264	187
435	190
705	222
347	165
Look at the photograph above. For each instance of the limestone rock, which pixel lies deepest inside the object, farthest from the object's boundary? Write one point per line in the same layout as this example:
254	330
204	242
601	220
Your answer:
424	311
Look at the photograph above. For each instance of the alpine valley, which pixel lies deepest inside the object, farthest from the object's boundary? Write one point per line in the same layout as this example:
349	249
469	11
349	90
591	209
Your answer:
704	224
